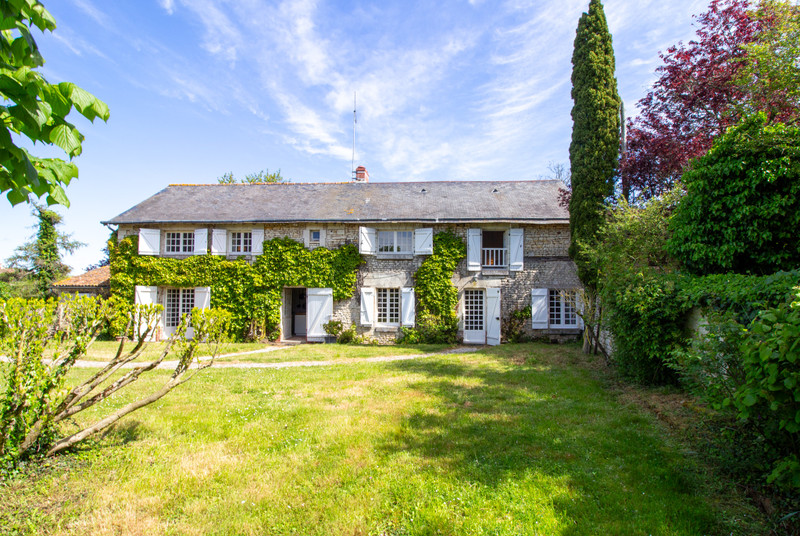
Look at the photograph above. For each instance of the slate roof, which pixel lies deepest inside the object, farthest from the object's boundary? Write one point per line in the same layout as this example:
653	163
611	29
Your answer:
99	277
464	201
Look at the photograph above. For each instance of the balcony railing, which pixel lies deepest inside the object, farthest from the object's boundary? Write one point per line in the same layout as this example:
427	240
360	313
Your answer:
495	258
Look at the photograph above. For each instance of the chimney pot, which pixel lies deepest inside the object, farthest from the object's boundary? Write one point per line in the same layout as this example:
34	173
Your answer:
361	174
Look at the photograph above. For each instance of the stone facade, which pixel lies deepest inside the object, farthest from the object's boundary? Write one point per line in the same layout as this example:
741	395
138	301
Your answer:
545	266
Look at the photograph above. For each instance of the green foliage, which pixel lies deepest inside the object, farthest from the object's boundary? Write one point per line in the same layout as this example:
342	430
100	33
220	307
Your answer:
251	292
514	325
769	397
432	329
261	177
741	210
343	336
36	109
437	297
594	149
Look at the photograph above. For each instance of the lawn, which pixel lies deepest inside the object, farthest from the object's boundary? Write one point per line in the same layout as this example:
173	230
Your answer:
238	352
518	439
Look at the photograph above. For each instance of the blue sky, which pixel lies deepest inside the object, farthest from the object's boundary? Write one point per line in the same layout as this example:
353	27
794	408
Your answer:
447	90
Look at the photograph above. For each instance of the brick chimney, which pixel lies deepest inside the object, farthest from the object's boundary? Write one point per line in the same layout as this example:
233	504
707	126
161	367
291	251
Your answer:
361	174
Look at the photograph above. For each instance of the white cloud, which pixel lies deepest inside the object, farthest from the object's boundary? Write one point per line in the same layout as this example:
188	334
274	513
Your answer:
168	5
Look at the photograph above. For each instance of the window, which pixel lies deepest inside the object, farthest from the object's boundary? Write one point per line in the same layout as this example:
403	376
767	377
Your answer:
314	236
241	242
180	301
395	242
180	243
388	305
562	308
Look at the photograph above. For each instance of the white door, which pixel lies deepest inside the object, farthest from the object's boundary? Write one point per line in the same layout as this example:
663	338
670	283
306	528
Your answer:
493	316
474	317
319	309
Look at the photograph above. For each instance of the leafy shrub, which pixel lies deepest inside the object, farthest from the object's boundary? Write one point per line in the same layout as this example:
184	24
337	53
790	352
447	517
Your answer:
741	210
514	325
343	336
769	397
432	329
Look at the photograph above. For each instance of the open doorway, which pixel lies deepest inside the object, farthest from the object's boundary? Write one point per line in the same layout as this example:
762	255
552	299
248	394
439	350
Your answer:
293	321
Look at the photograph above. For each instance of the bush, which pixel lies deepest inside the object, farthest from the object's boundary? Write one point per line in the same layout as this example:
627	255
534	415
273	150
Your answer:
432	329
514	325
741	210
769	397
343	336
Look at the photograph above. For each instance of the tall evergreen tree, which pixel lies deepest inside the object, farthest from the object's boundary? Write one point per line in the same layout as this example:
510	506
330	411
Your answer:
594	151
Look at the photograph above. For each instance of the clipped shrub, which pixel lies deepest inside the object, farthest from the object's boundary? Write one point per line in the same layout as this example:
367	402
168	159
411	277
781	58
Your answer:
343	336
432	329
513	327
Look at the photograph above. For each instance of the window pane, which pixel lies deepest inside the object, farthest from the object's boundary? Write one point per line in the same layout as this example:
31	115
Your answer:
473	310
555	308
570	316
404	241
315	235
386	241
172	311
187	301
388	301
173	243
188	242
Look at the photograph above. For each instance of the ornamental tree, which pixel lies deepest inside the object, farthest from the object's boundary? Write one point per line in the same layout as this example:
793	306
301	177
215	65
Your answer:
35	109
594	149
741	210
742	61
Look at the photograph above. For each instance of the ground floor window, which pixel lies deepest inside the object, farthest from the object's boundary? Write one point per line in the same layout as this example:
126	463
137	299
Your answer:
388	305
180	301
241	242
562	308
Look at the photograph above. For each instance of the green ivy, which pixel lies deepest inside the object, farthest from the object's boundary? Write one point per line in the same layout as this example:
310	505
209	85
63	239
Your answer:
251	292
437	297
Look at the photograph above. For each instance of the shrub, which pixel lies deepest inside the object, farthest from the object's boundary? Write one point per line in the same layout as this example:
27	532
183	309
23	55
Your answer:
432	329
514	325
343	336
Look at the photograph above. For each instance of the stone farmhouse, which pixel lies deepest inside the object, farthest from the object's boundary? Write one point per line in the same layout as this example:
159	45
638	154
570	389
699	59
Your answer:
515	232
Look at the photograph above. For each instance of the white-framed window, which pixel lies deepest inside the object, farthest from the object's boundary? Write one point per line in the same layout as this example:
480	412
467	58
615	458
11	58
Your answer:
179	242
179	301
562	308
314	236
241	242
395	241
388	305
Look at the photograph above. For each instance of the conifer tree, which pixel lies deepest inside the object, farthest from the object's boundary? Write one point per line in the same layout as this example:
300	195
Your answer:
594	151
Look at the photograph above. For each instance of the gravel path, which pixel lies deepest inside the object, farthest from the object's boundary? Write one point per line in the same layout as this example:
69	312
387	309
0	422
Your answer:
82	363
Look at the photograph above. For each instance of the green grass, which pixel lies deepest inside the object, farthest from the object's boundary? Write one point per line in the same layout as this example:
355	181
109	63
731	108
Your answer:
519	439
105	351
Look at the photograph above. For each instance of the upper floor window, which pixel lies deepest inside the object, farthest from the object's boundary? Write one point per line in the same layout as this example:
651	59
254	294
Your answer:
395	242
314	236
241	242
179	243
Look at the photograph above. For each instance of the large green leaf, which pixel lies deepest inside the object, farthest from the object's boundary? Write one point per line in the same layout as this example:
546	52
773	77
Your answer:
67	138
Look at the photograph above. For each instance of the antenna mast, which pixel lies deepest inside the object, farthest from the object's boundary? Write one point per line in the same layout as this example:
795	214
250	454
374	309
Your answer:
355	120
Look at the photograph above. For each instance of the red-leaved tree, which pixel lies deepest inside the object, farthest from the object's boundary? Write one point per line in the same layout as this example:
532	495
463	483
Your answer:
695	98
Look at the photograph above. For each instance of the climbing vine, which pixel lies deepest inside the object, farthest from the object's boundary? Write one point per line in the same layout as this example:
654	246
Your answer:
251	292
437	297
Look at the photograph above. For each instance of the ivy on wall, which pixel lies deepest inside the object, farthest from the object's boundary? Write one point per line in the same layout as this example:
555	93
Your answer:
437	297
251	292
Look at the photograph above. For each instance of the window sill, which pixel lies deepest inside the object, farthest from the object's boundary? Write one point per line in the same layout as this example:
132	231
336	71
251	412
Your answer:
387	328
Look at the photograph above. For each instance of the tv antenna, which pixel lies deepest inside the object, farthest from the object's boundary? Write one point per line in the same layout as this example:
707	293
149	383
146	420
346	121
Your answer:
355	120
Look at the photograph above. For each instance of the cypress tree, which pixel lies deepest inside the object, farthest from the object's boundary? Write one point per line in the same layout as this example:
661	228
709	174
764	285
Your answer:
594	150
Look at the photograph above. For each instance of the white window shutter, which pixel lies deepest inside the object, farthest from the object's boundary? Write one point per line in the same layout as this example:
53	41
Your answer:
149	241
219	241
258	241
202	297
145	295
367	241
539	318
200	241
516	245
408	306
474	250
367	306
306	237
322	238
492	316
319	309
423	241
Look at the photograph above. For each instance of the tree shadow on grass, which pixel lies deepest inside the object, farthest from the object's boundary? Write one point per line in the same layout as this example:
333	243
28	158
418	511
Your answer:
502	417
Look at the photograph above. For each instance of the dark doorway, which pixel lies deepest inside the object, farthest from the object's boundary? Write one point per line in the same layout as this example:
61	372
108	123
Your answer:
298	312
